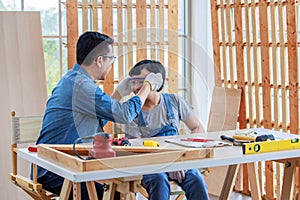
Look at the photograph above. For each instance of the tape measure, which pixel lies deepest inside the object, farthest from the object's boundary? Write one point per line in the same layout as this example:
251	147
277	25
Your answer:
270	146
150	143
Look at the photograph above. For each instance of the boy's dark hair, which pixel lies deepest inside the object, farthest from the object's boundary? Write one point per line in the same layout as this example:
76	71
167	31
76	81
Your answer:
152	66
90	45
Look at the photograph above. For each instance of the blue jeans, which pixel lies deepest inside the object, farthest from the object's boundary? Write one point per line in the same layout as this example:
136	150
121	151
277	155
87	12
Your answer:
53	183
158	186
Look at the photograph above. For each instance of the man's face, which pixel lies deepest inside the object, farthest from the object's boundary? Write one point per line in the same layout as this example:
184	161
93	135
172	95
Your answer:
137	81
106	63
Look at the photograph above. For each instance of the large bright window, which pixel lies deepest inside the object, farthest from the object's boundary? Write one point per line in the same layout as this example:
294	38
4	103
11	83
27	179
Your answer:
53	21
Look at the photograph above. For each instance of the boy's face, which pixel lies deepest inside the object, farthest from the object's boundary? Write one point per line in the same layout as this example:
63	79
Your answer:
137	81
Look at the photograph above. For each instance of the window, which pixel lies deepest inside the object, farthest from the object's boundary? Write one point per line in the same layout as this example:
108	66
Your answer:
53	21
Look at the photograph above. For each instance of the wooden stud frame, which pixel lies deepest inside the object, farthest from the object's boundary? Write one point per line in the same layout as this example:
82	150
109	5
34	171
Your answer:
137	36
259	55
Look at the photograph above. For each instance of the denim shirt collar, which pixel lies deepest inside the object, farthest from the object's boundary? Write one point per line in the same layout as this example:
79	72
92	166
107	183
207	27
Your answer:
78	68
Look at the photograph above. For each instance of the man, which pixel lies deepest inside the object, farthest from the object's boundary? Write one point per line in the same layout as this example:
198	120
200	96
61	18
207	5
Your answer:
160	116
78	107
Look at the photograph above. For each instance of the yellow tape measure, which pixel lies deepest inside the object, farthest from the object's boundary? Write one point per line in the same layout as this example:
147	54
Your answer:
269	146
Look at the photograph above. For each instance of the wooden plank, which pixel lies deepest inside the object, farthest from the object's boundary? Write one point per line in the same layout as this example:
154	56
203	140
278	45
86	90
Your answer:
249	67
292	33
107	28
267	122
224	41
255	61
254	182
85	18
152	30
77	191
72	31
141	33
274	66
229	30
216	41
161	33
240	62
65	190
91	190
229	181
288	181
173	46
95	15
129	36
120	36
283	66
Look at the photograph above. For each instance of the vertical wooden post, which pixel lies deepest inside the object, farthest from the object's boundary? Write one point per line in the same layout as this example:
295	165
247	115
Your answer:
293	65
107	28
129	35
173	46
141	34
240	60
265	64
72	31
216	41
161	31
120	40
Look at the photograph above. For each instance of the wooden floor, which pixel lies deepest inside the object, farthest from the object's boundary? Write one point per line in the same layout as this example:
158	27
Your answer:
233	196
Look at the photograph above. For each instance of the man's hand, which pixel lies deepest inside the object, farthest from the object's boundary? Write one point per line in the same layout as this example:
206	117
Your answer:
177	175
155	81
124	87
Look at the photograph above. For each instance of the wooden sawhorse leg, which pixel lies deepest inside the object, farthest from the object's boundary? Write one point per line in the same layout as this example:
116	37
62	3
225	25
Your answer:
288	180
230	179
126	186
229	182
67	186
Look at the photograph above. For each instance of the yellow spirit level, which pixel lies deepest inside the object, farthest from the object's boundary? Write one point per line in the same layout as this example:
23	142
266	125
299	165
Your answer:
269	146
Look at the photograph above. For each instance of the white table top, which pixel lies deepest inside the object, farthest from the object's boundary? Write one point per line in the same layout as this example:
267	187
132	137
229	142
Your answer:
227	155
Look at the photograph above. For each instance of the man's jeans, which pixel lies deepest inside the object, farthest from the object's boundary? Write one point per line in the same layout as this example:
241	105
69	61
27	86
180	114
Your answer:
158	186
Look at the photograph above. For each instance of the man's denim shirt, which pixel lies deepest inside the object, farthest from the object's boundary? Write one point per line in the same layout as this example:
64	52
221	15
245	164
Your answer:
77	106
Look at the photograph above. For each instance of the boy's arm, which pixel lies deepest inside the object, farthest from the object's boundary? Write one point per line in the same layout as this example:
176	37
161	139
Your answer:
194	124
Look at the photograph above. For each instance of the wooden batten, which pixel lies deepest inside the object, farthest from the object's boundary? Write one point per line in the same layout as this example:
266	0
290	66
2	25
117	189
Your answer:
72	30
152	30
224	70
216	42
95	15
161	31
120	34
292	33
129	36
240	62
141	33
85	18
173	46
266	63
107	28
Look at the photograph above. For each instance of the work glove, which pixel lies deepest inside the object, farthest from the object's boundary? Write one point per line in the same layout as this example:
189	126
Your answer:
124	88
177	175
155	81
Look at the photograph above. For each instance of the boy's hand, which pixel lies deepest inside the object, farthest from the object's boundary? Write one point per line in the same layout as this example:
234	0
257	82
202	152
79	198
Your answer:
177	175
155	81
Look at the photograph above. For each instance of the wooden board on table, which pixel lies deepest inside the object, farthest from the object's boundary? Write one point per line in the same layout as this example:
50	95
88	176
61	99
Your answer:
63	155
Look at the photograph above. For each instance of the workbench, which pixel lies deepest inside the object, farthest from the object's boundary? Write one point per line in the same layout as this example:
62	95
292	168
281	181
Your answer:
231	156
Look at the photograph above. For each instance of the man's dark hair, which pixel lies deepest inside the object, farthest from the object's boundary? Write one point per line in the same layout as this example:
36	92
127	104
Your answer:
152	66
90	45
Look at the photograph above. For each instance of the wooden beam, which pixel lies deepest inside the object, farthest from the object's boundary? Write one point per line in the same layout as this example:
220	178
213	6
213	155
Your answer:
72	31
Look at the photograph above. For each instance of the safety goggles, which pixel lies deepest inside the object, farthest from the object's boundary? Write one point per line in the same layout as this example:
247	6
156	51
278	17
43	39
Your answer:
136	82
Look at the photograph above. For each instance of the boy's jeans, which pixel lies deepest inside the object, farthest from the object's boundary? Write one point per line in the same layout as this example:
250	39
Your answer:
158	186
